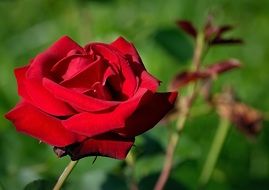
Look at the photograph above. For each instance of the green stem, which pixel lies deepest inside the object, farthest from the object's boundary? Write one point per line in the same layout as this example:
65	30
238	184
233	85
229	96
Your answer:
197	58
130	160
65	175
214	152
184	107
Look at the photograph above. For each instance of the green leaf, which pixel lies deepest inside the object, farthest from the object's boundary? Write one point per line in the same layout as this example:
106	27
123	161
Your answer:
114	182
147	165
39	184
149	147
1	186
175	42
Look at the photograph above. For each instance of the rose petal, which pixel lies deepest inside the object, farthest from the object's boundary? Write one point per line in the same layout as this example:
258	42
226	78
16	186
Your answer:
31	121
63	46
109	145
60	68
149	82
44	100
130	83
77	100
99	91
102	49
42	64
91	124
146	79
86	77
33	92
107	74
20	77
39	68
117	61
149	114
75	66
127	48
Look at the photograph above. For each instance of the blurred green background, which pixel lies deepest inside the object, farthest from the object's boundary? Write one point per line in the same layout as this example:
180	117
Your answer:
29	26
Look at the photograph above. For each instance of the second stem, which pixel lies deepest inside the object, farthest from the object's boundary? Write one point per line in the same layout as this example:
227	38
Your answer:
214	152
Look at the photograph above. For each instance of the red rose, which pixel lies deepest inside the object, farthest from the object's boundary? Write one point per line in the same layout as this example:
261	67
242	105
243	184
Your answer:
88	101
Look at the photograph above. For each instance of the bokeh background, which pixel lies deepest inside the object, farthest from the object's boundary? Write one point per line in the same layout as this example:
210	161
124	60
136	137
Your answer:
29	26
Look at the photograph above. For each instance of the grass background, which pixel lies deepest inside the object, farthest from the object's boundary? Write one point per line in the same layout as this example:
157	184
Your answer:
29	26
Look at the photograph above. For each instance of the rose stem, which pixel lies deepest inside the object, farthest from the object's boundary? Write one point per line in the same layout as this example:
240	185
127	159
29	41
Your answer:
65	174
185	109
130	161
214	152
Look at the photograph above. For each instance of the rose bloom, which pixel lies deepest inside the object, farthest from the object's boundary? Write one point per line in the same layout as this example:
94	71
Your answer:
88	101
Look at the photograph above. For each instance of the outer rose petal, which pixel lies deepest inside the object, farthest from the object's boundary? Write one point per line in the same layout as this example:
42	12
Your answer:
63	46
109	145
38	96
20	77
127	48
148	115
92	124
146	80
30	120
41	65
